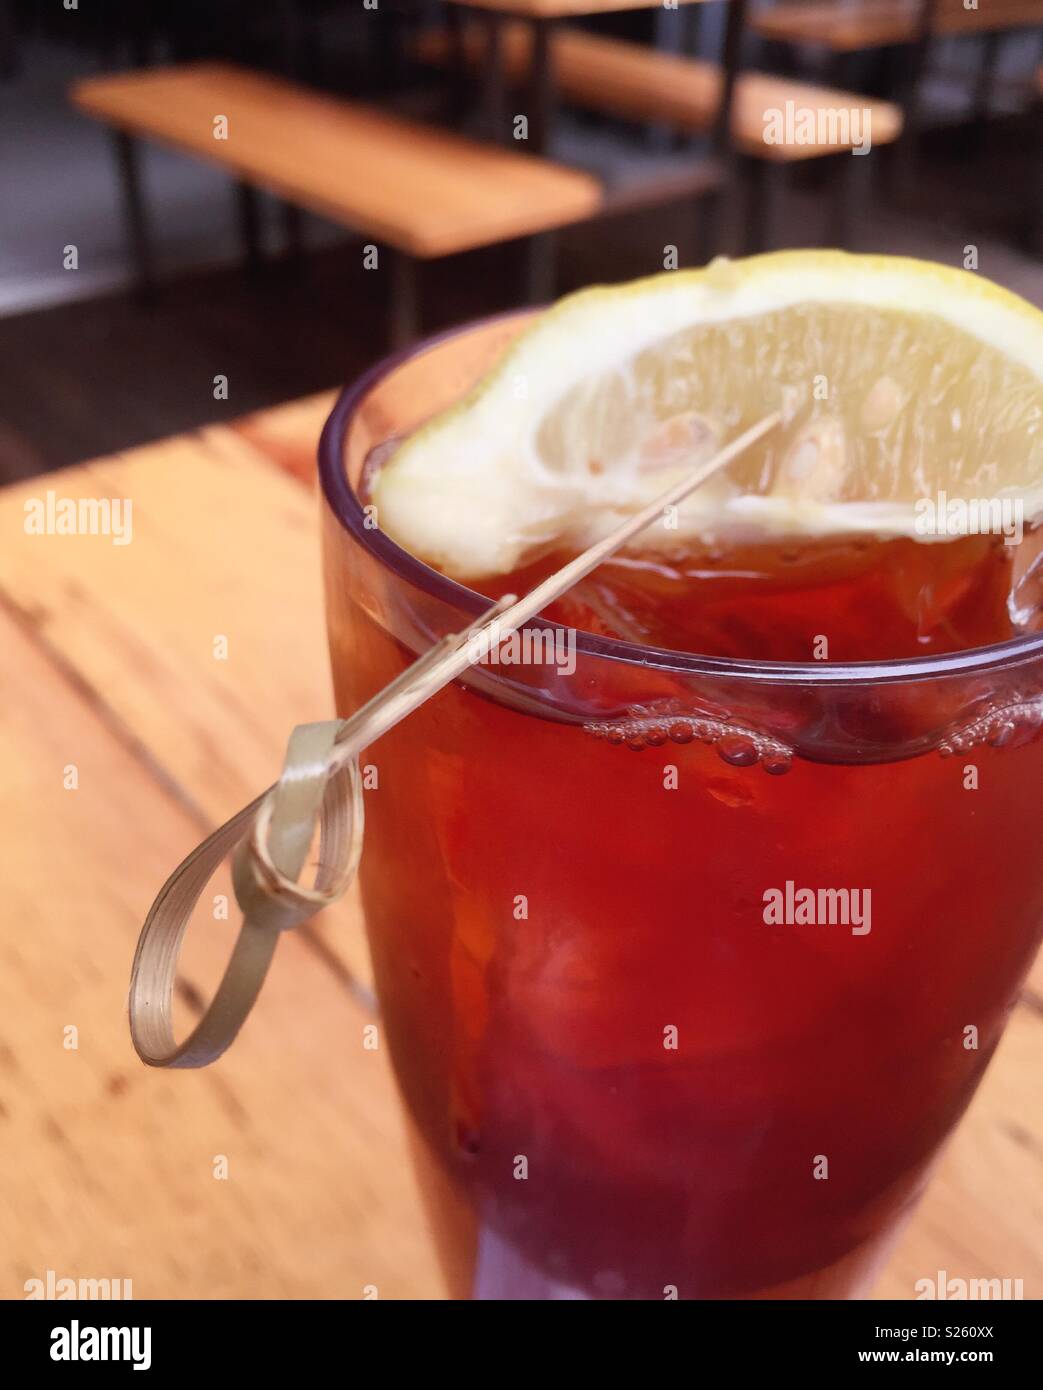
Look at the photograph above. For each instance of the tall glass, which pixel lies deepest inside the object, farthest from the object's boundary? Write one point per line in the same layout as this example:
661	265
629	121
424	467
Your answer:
632	1066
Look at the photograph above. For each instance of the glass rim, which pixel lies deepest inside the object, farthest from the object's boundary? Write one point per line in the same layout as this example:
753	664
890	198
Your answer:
344	503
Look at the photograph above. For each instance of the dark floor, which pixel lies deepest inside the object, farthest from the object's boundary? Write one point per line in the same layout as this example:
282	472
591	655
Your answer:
100	374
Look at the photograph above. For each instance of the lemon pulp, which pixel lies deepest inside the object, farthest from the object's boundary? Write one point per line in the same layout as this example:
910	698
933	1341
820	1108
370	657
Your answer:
897	381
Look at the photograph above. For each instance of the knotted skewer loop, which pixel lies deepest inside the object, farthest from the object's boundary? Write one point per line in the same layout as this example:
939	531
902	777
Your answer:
271	838
320	780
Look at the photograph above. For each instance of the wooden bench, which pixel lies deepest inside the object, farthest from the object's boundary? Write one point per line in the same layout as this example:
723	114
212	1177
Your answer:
635	82
424	192
848	28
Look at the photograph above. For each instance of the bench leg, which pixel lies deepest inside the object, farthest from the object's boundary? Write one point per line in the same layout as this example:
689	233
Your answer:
543	93
990	52
983	85
667	37
1036	191
767	183
8	40
724	149
134	211
459	71
249	223
293	239
730	62
494	82
709	215
850	200
541	256
845	71
907	148
404	309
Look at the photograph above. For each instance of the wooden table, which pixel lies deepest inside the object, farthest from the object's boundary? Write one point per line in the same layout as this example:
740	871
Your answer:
107	1168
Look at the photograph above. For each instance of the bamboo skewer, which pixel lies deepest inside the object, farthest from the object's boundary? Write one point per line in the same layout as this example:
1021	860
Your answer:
439	666
270	838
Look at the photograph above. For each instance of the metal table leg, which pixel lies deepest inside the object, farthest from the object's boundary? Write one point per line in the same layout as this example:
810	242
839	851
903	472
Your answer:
134	210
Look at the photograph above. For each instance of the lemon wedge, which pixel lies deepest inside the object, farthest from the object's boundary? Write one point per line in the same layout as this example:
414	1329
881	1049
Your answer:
897	379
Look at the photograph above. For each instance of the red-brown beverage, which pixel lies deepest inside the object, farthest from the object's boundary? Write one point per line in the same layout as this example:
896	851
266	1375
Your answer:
689	964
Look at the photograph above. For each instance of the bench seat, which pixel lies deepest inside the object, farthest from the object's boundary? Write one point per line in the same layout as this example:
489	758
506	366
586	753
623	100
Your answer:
847	28
424	191
637	82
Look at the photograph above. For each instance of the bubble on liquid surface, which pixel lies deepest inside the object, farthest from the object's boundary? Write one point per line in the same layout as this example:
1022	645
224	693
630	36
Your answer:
737	750
650	727
775	764
1009	725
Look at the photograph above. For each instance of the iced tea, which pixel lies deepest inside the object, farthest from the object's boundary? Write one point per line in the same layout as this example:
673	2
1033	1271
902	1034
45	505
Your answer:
638	1059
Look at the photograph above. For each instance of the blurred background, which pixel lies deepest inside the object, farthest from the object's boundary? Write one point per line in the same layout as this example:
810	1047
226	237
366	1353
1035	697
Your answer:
632	95
213	213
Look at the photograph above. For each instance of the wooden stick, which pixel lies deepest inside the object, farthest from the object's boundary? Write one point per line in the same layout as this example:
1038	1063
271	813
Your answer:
271	836
449	658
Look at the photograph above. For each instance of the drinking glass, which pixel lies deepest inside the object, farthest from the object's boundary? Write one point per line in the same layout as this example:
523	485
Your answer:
627	1075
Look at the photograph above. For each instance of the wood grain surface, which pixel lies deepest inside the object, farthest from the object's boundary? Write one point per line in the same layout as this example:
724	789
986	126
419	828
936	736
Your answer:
847	28
107	1169
558	9
642	83
423	190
